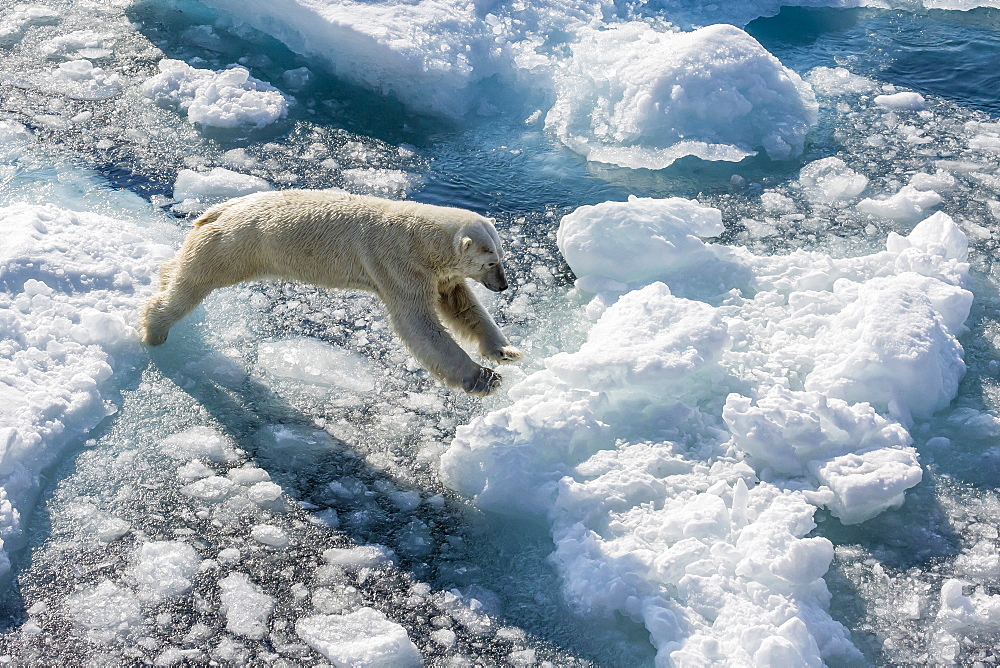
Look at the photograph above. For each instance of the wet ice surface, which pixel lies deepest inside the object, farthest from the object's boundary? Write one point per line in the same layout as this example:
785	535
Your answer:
705	439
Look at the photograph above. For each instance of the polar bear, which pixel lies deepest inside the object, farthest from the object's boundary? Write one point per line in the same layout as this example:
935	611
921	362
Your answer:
414	257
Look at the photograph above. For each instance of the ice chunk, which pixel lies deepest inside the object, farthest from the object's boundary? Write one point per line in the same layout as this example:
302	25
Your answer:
831	181
786	430
294	446
14	137
961	614
639	240
218	183
426	54
838	81
866	484
222	99
364	637
246	607
83	80
938	238
663	347
264	493
103	526
363	556
270	535
907	206
199	443
939	181
212	489
900	354
15	23
106	610
164	569
314	362
71	282
637	97
904	101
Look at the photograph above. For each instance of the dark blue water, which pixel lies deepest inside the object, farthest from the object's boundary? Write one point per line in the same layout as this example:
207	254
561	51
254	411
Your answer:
953	55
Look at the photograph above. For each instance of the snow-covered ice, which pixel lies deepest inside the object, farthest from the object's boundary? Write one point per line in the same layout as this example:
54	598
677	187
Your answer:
717	423
635	96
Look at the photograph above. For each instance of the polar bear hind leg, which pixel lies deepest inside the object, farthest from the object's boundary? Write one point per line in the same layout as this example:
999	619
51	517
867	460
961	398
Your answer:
201	266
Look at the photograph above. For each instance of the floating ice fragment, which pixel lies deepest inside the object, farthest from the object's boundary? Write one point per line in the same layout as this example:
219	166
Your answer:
903	101
264	494
222	99
211	489
364	637
838	81
868	483
15	23
270	535
246	607
199	443
639	240
164	569
907	206
831	181
637	97
363	556
14	137
218	183
106	610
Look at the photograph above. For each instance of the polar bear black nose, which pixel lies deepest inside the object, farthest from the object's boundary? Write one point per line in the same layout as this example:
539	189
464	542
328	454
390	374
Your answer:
495	279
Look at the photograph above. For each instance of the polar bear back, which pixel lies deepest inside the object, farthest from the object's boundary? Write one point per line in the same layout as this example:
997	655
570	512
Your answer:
335	239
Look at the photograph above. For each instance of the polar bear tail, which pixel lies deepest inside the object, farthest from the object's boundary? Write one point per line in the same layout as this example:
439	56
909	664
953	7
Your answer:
211	215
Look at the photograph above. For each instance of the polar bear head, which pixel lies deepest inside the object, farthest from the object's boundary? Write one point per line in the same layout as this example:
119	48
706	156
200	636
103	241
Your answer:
480	255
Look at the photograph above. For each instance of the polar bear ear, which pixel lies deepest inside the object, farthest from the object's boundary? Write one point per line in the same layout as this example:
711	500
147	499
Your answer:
462	244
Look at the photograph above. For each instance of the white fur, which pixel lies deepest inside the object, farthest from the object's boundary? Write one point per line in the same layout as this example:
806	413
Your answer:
415	257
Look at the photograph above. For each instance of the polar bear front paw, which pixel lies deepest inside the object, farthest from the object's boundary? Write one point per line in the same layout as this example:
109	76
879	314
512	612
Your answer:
483	384
505	355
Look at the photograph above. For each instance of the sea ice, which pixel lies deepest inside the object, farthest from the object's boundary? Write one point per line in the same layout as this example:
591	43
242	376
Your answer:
199	443
427	54
72	282
908	101
637	97
246	607
223	99
831	181
164	569
364	637
659	495
106	611
908	206
193	189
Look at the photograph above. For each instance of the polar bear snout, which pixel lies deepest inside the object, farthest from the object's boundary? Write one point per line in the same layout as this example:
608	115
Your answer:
494	279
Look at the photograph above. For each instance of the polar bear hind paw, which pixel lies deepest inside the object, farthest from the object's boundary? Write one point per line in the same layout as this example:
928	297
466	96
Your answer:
483	384
505	355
